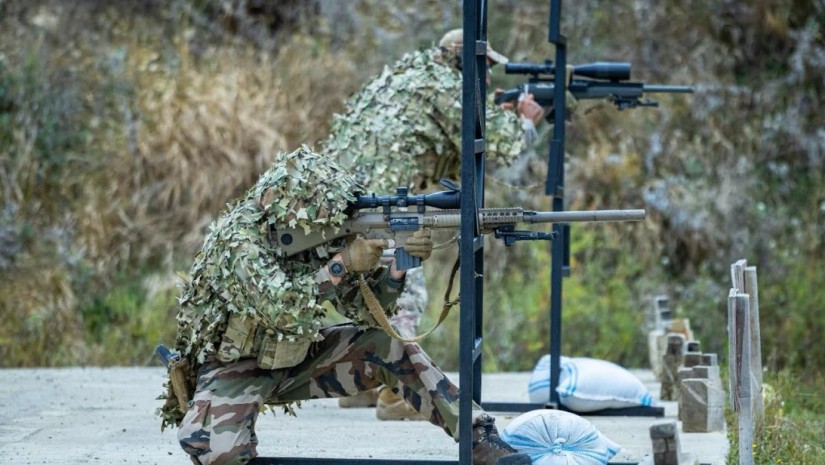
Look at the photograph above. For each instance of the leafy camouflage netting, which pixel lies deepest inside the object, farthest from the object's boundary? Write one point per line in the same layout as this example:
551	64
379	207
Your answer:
239	271
404	127
244	297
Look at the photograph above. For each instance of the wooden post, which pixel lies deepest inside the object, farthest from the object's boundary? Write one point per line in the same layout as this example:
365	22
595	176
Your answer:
744	393
733	381
752	290
737	275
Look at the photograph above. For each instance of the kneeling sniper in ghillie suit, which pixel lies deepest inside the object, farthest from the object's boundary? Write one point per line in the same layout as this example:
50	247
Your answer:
249	321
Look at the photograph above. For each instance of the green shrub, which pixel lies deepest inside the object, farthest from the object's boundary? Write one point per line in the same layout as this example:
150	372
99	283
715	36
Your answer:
793	431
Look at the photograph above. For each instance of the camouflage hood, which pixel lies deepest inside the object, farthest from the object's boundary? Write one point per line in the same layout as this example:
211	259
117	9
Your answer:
239	271
304	189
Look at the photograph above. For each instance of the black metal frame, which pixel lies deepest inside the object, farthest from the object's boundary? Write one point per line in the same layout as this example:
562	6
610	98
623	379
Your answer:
471	247
560	247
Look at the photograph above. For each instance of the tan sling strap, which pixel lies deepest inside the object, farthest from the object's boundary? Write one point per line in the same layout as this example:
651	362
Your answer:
380	317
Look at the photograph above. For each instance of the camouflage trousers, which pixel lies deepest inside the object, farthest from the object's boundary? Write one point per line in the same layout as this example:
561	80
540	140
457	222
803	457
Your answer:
411	303
220	427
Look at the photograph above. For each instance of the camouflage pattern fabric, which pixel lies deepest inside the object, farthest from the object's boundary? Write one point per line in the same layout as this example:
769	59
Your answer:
411	304
245	297
404	127
220	428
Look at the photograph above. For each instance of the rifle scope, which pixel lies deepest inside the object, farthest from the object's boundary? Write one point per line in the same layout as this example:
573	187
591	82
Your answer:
604	70
445	200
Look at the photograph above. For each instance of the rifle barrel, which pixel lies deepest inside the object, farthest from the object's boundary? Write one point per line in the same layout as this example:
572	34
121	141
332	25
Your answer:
584	216
652	88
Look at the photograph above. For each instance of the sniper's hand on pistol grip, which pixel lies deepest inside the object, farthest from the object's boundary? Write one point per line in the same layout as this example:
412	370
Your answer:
420	244
363	254
414	250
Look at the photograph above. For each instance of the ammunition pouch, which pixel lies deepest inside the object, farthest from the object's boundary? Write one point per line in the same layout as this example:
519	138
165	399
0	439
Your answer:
180	389
275	354
238	340
245	338
178	371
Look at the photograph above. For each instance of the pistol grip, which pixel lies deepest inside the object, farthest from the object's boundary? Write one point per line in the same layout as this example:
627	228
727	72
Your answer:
405	261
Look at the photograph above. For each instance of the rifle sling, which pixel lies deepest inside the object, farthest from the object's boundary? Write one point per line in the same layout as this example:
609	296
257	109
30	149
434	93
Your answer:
381	318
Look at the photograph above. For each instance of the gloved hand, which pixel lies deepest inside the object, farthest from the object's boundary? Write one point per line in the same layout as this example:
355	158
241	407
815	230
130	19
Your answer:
571	102
420	244
528	108
363	254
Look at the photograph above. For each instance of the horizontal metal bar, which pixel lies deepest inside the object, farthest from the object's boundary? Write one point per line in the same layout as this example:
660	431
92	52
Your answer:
511	406
340	461
623	412
337	461
609	412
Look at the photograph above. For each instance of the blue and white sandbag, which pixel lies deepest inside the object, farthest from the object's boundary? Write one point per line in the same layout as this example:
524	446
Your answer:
555	437
589	384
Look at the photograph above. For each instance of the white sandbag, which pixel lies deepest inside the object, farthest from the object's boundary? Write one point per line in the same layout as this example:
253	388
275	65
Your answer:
589	384
555	437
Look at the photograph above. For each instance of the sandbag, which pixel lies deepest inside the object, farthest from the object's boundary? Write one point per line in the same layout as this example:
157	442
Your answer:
555	437
589	384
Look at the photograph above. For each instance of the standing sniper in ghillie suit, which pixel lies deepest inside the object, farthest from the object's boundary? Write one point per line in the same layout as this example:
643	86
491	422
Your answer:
249	321
403	129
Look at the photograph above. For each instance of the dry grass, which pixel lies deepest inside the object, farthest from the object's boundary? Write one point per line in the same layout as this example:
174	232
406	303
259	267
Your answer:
161	138
125	128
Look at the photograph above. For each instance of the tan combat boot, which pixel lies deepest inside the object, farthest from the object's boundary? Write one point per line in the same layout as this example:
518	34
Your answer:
489	449
361	400
391	407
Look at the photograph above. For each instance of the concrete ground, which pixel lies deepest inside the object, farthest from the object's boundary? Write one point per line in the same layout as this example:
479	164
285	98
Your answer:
106	416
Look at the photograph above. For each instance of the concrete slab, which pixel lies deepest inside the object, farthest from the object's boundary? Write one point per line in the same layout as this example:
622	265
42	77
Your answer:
106	415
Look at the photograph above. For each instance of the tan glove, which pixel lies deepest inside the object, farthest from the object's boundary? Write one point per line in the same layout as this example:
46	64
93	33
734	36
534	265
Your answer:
571	102
420	244
363	254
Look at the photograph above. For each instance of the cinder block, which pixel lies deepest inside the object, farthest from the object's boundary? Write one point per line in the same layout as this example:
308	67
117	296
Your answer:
692	359
664	429
659	445
694	346
701	406
710	360
671	362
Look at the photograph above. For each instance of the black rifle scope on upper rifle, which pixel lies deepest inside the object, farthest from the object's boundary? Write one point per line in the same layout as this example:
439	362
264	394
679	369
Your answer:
605	80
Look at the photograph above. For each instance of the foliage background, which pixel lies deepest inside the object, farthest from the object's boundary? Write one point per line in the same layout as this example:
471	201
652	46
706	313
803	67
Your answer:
126	126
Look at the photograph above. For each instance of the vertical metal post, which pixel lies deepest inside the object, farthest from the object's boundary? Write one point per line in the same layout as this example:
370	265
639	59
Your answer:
481	131
474	72
555	187
560	248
